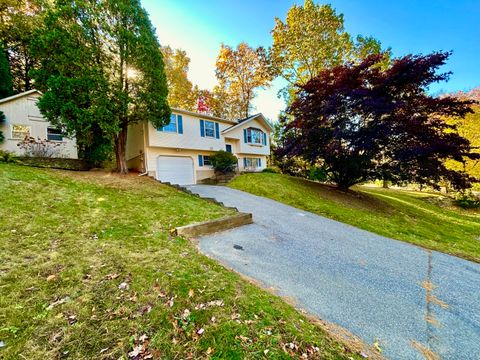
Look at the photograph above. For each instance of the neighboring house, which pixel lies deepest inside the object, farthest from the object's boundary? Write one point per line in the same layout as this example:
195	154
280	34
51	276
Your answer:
180	152
23	118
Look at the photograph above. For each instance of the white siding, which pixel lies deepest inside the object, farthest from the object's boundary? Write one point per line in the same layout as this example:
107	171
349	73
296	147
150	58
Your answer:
244	148
23	111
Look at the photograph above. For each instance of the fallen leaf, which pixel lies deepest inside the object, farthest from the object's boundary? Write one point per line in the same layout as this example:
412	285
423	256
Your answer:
200	331
123	286
51	277
190	293
111	276
266	351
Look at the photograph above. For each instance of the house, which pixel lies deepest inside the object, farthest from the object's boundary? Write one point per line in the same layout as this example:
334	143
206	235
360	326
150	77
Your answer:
23	119
180	152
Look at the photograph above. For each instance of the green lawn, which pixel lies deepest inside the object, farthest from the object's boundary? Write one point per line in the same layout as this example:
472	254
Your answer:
425	219
89	270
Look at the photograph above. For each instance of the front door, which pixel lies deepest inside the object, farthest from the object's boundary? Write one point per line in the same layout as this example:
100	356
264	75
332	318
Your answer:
228	147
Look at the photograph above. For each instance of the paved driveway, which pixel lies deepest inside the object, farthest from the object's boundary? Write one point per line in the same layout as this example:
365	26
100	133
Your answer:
377	288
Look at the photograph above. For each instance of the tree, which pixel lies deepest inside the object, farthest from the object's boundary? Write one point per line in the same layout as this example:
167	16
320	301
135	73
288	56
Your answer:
312	39
241	71
6	84
362	123
468	127
180	89
2	120
19	20
107	71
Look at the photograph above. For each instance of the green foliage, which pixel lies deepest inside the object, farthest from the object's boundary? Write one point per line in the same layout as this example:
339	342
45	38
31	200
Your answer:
467	200
318	174
54	163
7	157
223	161
107	72
20	19
311	39
6	84
2	120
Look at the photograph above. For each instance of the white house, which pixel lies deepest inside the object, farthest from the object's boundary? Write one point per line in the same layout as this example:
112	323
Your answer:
23	118
179	153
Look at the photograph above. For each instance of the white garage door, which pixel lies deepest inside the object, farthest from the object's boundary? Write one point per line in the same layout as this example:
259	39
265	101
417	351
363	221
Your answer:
175	170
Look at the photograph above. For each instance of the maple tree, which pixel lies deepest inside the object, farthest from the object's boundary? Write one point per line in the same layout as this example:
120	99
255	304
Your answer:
362	122
240	72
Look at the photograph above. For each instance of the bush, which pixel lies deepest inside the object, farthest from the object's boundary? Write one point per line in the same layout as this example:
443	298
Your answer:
467	200
271	170
54	163
317	174
40	148
223	161
6	156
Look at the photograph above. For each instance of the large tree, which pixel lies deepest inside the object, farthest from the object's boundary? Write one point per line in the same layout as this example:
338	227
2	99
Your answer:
106	71
361	122
180	89
6	85
240	72
312	38
19	20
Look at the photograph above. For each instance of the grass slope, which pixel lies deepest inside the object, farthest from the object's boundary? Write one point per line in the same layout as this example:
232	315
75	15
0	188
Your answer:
89	270
420	218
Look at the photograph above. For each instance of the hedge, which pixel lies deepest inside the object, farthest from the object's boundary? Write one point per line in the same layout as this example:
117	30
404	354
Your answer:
54	163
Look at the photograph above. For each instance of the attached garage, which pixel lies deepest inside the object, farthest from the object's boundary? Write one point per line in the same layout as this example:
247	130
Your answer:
175	170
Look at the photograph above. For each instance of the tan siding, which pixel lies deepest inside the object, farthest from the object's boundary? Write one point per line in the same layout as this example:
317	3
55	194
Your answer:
23	111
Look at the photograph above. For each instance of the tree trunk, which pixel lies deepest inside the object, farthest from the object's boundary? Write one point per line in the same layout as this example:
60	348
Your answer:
120	150
385	184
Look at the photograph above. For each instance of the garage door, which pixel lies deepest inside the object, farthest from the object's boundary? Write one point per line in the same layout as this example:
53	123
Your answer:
175	170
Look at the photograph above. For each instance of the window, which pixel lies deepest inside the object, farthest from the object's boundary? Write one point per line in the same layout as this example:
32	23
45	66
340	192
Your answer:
20	132
252	162
209	128
175	125
204	160
255	136
54	134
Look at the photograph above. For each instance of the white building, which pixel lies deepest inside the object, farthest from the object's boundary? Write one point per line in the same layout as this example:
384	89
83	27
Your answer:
23	118
179	152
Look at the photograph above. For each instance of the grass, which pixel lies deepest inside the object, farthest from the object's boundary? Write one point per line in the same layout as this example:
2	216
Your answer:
90	270
425	219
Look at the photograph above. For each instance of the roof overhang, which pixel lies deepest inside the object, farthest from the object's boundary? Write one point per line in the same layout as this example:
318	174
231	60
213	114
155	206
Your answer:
203	116
258	116
17	96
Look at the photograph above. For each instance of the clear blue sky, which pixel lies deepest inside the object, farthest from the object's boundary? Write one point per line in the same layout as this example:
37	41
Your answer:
407	26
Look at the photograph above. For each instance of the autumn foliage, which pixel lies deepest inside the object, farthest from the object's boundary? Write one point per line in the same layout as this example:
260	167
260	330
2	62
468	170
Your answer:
361	123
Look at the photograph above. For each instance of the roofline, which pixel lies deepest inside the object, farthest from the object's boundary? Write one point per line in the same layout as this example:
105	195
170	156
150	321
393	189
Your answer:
250	118
205	116
25	93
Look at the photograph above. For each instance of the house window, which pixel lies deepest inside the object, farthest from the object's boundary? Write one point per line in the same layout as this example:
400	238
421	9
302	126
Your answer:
255	136
252	163
20	132
175	125
54	134
209	128
204	160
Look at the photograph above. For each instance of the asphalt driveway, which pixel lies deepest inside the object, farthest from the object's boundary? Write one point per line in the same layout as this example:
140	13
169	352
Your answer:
400	295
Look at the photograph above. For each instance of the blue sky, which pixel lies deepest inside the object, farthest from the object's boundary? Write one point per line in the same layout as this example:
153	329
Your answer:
407	26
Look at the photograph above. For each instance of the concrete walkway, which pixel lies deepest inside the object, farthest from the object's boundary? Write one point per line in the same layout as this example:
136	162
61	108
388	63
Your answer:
379	289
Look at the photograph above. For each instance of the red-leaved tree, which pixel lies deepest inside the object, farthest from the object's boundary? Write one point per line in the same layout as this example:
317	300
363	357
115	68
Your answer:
363	123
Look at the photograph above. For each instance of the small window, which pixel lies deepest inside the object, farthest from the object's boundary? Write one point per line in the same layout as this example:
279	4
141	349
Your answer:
54	134
172	126
20	132
206	160
209	128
